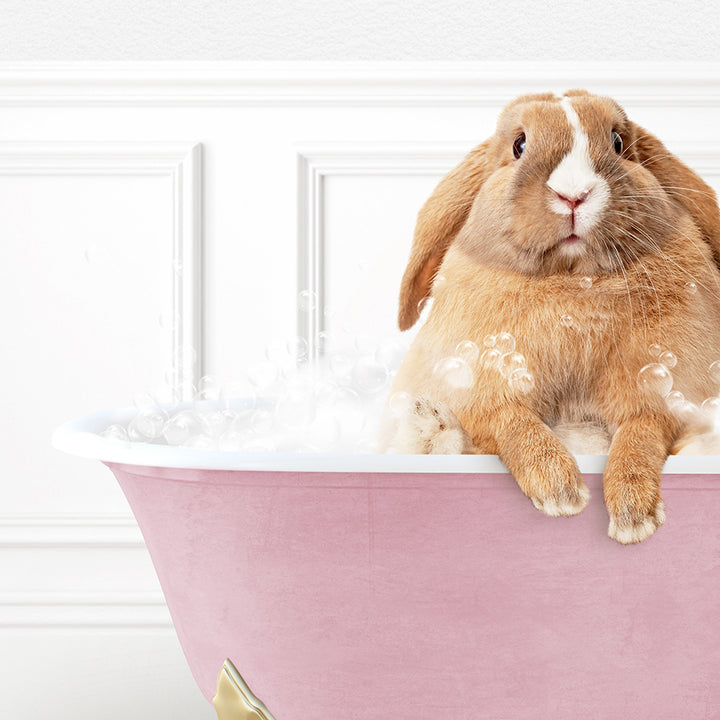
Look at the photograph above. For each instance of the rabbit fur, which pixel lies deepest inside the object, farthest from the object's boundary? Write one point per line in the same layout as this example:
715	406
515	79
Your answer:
568	188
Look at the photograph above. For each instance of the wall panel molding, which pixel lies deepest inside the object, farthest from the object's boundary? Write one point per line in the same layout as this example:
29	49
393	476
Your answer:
390	84
69	531
42	540
320	161
182	164
83	610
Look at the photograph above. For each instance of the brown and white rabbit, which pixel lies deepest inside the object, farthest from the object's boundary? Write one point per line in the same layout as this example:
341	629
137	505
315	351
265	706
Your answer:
577	233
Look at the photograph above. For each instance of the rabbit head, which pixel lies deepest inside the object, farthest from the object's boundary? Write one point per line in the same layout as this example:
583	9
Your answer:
564	185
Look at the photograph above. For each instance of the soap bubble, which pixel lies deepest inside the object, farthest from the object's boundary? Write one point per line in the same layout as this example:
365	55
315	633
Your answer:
232	440
208	394
668	359
425	305
675	399
149	421
453	371
468	351
322	342
687	412
216	422
510	362
116	433
180	427
491	357
490	341
522	381
505	343
369	376
586	282
711	407
307	301
711	410
297	348
209	386
439	282
714	371
567	320
654	350
690	288
134	433
655	378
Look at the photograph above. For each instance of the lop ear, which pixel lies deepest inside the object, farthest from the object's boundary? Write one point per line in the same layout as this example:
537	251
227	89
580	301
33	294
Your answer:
439	221
682	184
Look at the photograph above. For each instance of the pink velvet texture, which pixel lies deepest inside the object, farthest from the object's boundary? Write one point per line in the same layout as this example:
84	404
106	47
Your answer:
415	597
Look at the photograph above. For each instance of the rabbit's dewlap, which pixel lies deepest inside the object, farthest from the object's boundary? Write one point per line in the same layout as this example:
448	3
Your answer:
576	234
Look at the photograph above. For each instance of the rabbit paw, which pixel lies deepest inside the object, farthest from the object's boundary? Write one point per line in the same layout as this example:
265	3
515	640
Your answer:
632	526
428	427
567	499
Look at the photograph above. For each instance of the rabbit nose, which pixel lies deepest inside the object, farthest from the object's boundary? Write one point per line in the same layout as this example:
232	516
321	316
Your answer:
573	202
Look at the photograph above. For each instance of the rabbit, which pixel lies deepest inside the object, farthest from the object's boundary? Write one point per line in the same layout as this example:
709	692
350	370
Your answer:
575	234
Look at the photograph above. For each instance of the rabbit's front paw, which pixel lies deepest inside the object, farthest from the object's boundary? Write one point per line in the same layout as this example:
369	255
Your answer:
429	427
561	498
632	524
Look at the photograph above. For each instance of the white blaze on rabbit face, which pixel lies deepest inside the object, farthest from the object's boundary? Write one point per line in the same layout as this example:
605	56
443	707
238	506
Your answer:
579	191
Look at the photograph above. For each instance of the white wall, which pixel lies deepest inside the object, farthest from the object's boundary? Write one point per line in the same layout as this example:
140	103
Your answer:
134	194
612	30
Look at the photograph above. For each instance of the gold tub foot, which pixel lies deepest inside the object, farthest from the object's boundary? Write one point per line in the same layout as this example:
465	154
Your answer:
234	700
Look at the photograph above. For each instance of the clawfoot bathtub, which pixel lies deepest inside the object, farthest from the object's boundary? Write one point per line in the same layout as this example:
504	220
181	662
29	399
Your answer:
359	587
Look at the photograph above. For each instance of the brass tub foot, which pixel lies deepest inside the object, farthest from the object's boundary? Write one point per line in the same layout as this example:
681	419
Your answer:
234	700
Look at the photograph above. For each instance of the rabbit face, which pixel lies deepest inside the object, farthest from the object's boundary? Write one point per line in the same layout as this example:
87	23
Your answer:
566	191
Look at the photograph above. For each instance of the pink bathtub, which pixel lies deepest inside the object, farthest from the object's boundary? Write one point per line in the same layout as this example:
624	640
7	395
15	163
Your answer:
421	587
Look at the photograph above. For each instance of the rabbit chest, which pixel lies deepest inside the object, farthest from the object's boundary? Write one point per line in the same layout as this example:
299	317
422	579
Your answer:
570	331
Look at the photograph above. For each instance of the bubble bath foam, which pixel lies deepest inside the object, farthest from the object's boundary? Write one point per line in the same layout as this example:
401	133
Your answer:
416	587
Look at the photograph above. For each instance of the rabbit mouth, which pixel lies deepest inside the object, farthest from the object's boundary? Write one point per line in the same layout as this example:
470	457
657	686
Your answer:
572	243
571	247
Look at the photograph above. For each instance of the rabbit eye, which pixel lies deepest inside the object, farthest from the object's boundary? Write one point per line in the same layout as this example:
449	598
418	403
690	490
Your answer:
617	142
519	145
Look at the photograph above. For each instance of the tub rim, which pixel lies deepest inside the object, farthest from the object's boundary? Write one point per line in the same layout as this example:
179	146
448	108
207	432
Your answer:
81	437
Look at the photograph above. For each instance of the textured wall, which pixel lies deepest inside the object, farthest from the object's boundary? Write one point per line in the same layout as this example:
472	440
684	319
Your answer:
358	30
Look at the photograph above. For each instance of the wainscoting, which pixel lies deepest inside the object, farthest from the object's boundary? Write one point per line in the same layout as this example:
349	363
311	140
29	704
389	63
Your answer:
146	208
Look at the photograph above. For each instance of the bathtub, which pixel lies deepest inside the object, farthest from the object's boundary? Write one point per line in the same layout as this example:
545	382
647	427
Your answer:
346	587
